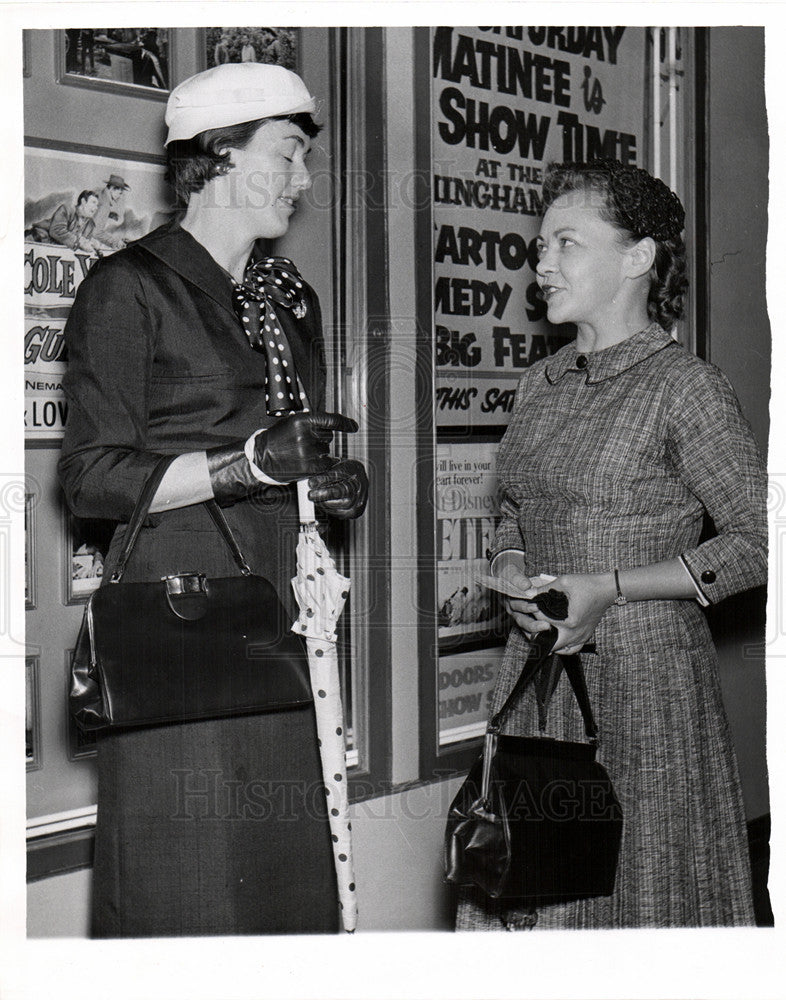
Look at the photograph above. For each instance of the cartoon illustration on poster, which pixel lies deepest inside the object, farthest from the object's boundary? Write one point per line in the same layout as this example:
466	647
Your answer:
78	207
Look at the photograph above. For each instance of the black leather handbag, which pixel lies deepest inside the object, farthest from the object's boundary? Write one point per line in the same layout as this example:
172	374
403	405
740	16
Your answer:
186	647
537	819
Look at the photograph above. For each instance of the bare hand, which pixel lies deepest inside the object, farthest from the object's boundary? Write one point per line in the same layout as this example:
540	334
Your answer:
523	614
589	596
511	567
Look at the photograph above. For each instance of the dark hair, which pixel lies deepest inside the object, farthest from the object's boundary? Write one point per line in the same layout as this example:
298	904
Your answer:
191	163
640	205
84	195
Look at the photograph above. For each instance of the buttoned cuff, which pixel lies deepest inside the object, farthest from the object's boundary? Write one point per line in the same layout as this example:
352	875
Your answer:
707	577
507	536
250	452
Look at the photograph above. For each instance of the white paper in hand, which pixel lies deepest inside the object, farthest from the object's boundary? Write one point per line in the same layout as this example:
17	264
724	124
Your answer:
503	586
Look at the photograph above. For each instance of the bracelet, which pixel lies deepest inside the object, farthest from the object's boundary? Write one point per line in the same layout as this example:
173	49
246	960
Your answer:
620	598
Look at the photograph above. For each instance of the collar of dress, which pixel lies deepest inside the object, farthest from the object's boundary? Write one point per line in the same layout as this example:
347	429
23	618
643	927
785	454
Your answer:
178	249
599	366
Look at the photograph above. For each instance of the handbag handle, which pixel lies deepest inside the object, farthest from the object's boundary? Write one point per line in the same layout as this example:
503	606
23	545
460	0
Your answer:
539	652
142	508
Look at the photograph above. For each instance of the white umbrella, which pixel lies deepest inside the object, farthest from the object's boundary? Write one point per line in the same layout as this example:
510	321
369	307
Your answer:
321	591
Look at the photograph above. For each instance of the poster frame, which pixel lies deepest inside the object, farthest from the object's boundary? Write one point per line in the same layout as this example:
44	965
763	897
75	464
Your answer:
27	70
31	574
63	76
435	761
697	167
439	761
34	761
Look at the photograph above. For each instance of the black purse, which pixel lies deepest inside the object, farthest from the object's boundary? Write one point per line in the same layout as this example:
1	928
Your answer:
537	819
186	647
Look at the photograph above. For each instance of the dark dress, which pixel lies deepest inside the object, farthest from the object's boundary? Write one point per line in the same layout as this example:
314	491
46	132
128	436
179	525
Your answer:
612	463
215	827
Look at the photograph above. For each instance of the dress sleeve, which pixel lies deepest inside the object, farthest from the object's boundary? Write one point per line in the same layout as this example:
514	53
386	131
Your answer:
508	534
110	342
713	450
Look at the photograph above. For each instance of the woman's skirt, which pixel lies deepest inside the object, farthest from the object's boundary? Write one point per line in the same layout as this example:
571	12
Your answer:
216	827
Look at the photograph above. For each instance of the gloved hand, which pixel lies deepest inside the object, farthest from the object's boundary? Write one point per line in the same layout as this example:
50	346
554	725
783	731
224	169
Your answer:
342	491
297	446
294	447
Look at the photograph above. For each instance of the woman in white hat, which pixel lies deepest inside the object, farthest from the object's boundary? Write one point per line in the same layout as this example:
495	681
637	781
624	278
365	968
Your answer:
188	343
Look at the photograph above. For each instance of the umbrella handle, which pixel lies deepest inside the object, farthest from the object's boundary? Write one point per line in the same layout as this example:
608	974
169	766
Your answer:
305	506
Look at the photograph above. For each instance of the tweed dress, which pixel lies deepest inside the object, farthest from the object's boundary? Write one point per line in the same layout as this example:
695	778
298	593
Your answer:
611	459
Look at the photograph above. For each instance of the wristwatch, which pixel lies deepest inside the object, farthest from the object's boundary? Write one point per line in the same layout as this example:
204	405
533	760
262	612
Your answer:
620	598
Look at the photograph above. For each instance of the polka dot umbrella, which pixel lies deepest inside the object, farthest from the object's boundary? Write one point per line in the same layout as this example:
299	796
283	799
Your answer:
321	591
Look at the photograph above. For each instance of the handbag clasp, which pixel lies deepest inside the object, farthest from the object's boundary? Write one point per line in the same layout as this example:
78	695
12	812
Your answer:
187	595
186	583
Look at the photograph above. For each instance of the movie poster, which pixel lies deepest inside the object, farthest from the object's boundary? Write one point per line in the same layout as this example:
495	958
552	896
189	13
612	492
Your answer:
466	683
507	101
79	207
467	516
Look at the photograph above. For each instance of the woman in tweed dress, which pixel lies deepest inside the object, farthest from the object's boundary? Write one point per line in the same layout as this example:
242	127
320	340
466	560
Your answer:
618	445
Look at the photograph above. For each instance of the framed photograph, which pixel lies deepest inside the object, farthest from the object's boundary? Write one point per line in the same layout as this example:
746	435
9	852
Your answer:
86	542
33	756
81	203
129	60
81	745
30	547
262	45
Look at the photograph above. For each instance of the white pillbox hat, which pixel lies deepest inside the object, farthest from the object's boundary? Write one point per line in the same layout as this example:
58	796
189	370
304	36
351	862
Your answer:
234	93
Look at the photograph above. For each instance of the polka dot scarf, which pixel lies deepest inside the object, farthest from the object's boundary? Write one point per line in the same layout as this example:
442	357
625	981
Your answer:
267	283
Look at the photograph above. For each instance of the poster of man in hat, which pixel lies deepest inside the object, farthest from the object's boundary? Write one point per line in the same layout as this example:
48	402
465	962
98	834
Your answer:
129	197
109	217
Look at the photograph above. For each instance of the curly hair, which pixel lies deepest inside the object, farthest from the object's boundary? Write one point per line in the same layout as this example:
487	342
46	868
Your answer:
191	163
639	205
